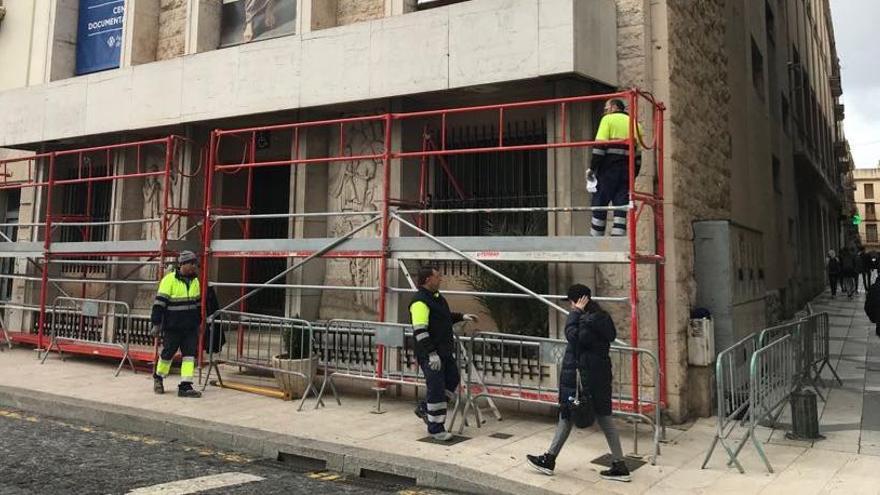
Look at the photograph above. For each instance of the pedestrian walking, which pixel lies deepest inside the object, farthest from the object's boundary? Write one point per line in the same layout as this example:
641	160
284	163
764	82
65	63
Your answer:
872	305
832	264
866	265
589	331
177	316
610	166
848	271
435	349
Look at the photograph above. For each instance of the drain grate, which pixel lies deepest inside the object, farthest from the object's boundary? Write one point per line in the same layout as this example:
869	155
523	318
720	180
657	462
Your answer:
502	436
631	462
454	440
301	462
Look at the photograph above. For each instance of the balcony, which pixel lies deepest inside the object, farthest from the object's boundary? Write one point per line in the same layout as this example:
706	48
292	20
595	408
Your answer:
838	112
450	47
836	86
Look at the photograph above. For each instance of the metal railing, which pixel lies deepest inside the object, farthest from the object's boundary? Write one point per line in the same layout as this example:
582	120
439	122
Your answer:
732	390
526	369
772	380
256	341
819	332
82	320
756	377
7	340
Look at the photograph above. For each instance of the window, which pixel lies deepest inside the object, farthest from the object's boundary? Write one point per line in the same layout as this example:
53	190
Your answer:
777	182
870	212
757	69
871	233
9	231
869	191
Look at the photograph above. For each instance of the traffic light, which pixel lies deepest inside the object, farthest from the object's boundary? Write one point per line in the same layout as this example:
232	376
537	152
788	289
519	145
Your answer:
856	219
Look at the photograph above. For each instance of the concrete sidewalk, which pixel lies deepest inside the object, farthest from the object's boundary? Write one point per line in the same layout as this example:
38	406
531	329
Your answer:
350	438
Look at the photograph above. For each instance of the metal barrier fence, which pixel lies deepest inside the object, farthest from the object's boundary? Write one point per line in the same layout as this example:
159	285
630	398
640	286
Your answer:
7	340
257	341
493	366
384	353
780	360
526	369
82	320
819	331
772	379
732	390
358	349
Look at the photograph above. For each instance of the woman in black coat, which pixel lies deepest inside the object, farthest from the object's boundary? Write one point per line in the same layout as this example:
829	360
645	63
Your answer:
589	331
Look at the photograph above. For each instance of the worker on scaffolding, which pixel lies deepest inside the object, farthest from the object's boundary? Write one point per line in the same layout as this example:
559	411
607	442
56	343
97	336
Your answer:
177	316
435	349
610	167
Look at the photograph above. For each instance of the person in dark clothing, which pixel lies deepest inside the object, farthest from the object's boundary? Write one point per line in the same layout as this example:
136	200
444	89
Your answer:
832	263
866	266
590	332
872	305
848	271
435	349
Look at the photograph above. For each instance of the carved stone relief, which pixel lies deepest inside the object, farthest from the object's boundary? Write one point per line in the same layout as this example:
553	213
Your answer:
354	185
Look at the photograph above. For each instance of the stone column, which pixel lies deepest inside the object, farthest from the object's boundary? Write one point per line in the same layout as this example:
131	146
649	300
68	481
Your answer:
202	25
566	186
309	194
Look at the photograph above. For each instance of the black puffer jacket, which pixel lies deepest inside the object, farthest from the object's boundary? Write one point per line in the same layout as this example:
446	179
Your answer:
589	334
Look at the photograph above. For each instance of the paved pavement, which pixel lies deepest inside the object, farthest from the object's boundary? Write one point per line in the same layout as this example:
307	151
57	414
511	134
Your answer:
846	461
40	455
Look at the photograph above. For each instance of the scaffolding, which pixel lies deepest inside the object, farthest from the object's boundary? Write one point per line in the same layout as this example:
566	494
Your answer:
393	216
86	237
106	244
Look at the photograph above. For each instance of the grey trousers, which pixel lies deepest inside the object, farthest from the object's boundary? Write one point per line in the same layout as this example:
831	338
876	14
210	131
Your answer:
606	423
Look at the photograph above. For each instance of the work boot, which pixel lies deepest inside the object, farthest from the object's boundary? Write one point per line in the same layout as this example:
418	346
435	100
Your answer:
544	463
443	436
186	389
421	411
158	385
618	472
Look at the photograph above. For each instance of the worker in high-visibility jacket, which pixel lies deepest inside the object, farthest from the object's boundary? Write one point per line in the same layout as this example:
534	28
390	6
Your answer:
435	349
177	316
610	166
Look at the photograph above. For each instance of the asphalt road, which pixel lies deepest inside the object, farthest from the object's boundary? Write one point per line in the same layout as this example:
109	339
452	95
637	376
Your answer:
40	455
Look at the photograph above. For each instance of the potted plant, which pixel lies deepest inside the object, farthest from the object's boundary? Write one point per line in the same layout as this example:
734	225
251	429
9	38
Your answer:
295	357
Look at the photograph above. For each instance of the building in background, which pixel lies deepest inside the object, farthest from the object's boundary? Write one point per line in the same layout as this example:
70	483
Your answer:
753	133
867	202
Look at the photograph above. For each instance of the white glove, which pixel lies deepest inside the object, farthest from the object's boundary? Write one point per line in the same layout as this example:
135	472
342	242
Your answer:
434	361
592	181
155	330
469	317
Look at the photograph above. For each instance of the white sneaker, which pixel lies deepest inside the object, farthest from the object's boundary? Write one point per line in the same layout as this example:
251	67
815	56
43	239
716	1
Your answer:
443	436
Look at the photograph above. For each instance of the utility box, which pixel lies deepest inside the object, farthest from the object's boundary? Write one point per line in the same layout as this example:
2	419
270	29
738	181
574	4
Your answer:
701	342
729	269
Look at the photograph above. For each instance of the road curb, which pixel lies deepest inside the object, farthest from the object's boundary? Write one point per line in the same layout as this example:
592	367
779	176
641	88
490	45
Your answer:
351	460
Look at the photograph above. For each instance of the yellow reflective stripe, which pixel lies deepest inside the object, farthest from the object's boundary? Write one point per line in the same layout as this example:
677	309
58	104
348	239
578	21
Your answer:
163	367
419	312
187	368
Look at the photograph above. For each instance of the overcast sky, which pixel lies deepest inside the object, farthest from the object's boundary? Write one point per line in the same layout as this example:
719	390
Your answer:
855	29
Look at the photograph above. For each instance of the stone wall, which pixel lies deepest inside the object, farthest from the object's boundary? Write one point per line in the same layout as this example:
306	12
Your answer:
350	11
676	49
172	29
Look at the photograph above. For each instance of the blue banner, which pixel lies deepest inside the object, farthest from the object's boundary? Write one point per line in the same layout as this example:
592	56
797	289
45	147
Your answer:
99	35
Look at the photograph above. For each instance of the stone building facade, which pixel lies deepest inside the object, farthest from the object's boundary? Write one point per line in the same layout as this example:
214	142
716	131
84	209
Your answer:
866	182
749	139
